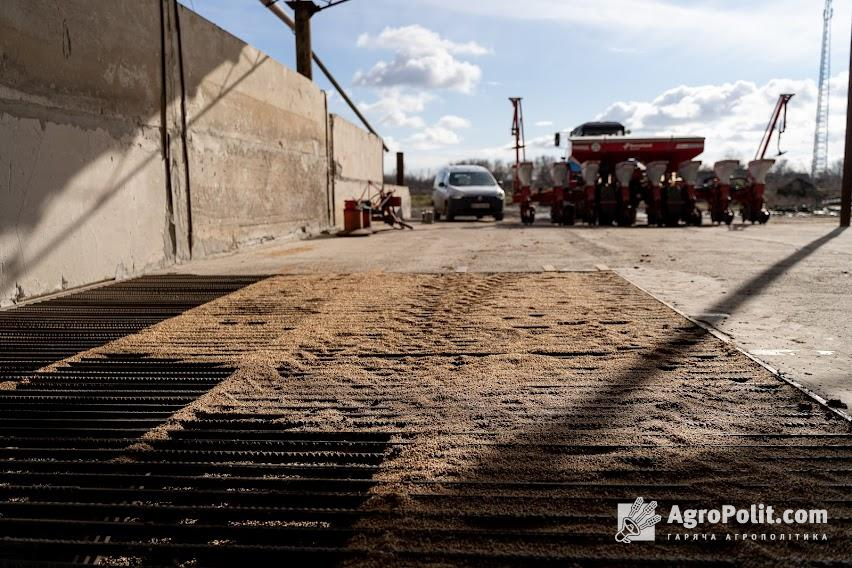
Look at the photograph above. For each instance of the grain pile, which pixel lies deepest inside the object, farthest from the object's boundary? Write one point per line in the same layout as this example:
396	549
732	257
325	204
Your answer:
520	409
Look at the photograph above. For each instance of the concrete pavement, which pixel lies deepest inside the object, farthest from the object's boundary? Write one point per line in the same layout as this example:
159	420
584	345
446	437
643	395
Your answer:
782	291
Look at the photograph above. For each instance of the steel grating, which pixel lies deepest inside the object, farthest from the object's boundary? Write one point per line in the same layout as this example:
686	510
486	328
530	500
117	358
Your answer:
481	420
41	333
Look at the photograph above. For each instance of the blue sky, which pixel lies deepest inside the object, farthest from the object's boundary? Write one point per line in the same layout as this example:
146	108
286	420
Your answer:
434	76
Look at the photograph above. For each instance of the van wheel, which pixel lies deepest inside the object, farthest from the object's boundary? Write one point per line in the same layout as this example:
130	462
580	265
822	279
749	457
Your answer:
498	217
449	216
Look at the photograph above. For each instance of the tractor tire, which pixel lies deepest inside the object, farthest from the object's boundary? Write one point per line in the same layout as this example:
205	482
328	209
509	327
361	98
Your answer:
626	219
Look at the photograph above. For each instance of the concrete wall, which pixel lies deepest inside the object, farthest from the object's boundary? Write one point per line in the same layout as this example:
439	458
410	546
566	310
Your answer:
358	159
82	185
136	134
256	144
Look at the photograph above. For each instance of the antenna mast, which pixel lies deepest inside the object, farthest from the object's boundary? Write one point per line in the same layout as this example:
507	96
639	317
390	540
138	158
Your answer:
820	160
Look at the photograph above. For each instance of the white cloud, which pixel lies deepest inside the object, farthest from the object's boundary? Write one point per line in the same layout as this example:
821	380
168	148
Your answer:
417	40
422	59
434	137
733	116
706	26
453	122
397	108
442	133
543	123
392	144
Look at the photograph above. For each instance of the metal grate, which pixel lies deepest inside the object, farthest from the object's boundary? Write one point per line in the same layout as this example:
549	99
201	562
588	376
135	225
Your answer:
42	333
410	434
75	488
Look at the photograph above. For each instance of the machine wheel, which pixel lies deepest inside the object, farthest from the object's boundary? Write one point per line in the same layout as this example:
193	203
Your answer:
626	219
447	215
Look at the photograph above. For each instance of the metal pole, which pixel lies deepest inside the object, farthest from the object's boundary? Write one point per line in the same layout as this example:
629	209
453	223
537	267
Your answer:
304	11
282	15
846	191
400	168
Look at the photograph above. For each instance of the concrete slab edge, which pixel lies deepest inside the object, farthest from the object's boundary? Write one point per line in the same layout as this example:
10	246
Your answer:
62	293
730	341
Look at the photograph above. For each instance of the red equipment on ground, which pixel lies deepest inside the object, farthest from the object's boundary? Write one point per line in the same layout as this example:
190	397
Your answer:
618	172
523	170
748	191
751	195
718	191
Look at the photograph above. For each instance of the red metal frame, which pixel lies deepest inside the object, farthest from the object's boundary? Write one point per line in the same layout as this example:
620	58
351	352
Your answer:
780	109
521	193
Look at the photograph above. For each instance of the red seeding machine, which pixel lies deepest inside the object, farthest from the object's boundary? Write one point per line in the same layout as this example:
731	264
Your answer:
608	174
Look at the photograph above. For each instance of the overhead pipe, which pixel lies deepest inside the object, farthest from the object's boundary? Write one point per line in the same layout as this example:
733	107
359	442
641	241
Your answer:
288	21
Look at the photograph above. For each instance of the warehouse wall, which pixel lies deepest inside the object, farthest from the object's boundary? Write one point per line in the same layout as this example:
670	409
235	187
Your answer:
81	172
134	135
358	160
257	142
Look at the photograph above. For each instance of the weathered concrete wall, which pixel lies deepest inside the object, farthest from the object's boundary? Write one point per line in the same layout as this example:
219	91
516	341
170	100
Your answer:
136	134
357	160
81	167
257	142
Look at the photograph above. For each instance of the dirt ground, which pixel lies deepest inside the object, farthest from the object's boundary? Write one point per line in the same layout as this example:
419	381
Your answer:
782	291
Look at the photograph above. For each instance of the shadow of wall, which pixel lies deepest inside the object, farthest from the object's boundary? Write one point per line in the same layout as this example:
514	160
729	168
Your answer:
109	110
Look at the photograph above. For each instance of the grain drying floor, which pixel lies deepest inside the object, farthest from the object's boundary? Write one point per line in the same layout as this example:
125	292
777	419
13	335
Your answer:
394	420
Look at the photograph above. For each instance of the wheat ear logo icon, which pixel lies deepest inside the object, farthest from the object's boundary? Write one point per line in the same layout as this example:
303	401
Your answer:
641	516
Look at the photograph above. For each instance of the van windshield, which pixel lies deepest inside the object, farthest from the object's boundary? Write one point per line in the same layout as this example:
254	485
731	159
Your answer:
464	179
